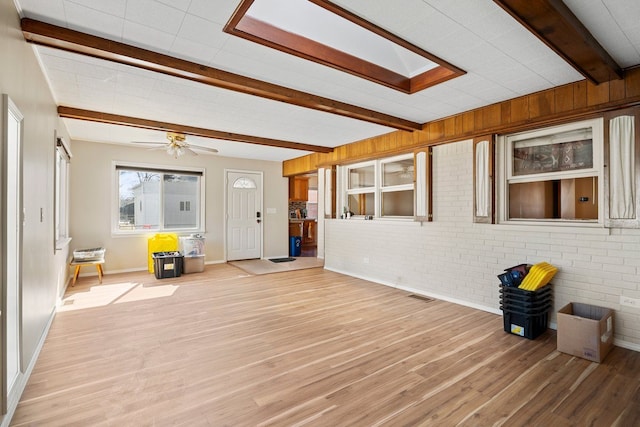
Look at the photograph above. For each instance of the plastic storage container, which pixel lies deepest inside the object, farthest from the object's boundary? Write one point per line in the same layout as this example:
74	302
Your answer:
526	325
538	276
295	245
192	245
525	313
161	242
192	248
193	264
167	264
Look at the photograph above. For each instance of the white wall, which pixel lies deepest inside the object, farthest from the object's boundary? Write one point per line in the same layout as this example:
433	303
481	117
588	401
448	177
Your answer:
455	259
91	204
45	272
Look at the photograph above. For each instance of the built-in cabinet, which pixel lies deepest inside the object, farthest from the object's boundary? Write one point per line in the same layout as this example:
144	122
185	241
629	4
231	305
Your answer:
295	228
309	233
298	189
307	229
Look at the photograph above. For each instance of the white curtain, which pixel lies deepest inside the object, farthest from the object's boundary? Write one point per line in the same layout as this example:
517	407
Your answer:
621	168
482	178
422	186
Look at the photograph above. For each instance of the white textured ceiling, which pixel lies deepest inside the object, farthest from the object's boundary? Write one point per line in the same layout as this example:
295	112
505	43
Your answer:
316	23
501	58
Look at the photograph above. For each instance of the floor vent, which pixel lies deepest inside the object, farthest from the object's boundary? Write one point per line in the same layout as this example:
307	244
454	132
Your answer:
420	297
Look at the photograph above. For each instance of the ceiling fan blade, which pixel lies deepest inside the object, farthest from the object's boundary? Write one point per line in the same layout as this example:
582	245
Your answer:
176	144
189	151
154	143
200	148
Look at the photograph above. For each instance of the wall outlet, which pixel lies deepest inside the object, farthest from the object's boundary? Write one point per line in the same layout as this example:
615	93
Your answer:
366	260
630	302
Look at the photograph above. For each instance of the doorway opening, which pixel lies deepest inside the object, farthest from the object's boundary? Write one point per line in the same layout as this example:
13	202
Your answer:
303	215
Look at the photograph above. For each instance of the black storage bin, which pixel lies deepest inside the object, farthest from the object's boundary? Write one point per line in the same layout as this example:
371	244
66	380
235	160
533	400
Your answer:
167	264
513	302
525	295
525	313
525	308
526	325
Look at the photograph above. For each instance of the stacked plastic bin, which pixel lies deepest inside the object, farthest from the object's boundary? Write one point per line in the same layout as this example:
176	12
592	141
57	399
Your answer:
192	248
525	312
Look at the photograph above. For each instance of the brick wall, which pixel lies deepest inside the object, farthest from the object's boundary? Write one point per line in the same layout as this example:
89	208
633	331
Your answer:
454	259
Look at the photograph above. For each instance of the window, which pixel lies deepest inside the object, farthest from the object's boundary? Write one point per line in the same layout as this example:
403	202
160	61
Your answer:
61	198
164	200
397	188
361	189
244	182
553	174
382	188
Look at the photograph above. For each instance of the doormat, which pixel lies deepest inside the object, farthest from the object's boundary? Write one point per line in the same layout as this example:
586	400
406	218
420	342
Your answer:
282	259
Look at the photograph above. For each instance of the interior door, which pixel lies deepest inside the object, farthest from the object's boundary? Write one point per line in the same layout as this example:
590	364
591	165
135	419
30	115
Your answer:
11	244
244	215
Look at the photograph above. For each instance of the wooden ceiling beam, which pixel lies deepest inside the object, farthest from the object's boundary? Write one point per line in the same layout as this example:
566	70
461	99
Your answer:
116	119
53	36
251	28
556	26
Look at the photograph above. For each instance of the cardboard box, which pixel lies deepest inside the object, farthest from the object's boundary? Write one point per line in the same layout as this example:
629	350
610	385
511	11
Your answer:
585	331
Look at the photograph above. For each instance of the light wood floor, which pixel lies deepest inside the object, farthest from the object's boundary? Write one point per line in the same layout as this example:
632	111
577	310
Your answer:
307	347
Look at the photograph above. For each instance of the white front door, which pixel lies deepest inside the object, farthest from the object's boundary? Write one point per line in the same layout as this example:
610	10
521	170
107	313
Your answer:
244	215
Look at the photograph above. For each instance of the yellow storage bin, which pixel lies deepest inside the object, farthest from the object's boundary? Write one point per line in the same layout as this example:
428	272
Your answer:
539	275
161	242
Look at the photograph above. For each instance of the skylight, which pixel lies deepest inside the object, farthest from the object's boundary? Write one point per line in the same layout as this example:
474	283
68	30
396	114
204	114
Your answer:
321	31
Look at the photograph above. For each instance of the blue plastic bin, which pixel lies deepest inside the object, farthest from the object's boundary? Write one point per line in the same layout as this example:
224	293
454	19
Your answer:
295	245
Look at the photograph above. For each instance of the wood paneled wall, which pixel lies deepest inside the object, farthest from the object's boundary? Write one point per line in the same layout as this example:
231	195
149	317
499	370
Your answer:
553	106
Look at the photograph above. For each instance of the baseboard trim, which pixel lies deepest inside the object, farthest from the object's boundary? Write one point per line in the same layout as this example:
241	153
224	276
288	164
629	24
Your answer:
422	292
626	344
21	382
552	325
137	269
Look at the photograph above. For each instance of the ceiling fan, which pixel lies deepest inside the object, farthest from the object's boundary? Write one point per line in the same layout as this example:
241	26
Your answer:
178	145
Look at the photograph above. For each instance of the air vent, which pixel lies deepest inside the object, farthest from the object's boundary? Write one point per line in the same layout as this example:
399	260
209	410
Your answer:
420	297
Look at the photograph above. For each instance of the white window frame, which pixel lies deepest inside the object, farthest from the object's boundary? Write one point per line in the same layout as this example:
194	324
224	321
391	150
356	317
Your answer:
360	190
61	194
115	197
396	188
504	154
377	189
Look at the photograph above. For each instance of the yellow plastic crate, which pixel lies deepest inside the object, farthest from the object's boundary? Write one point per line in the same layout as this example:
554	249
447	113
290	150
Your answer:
539	275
